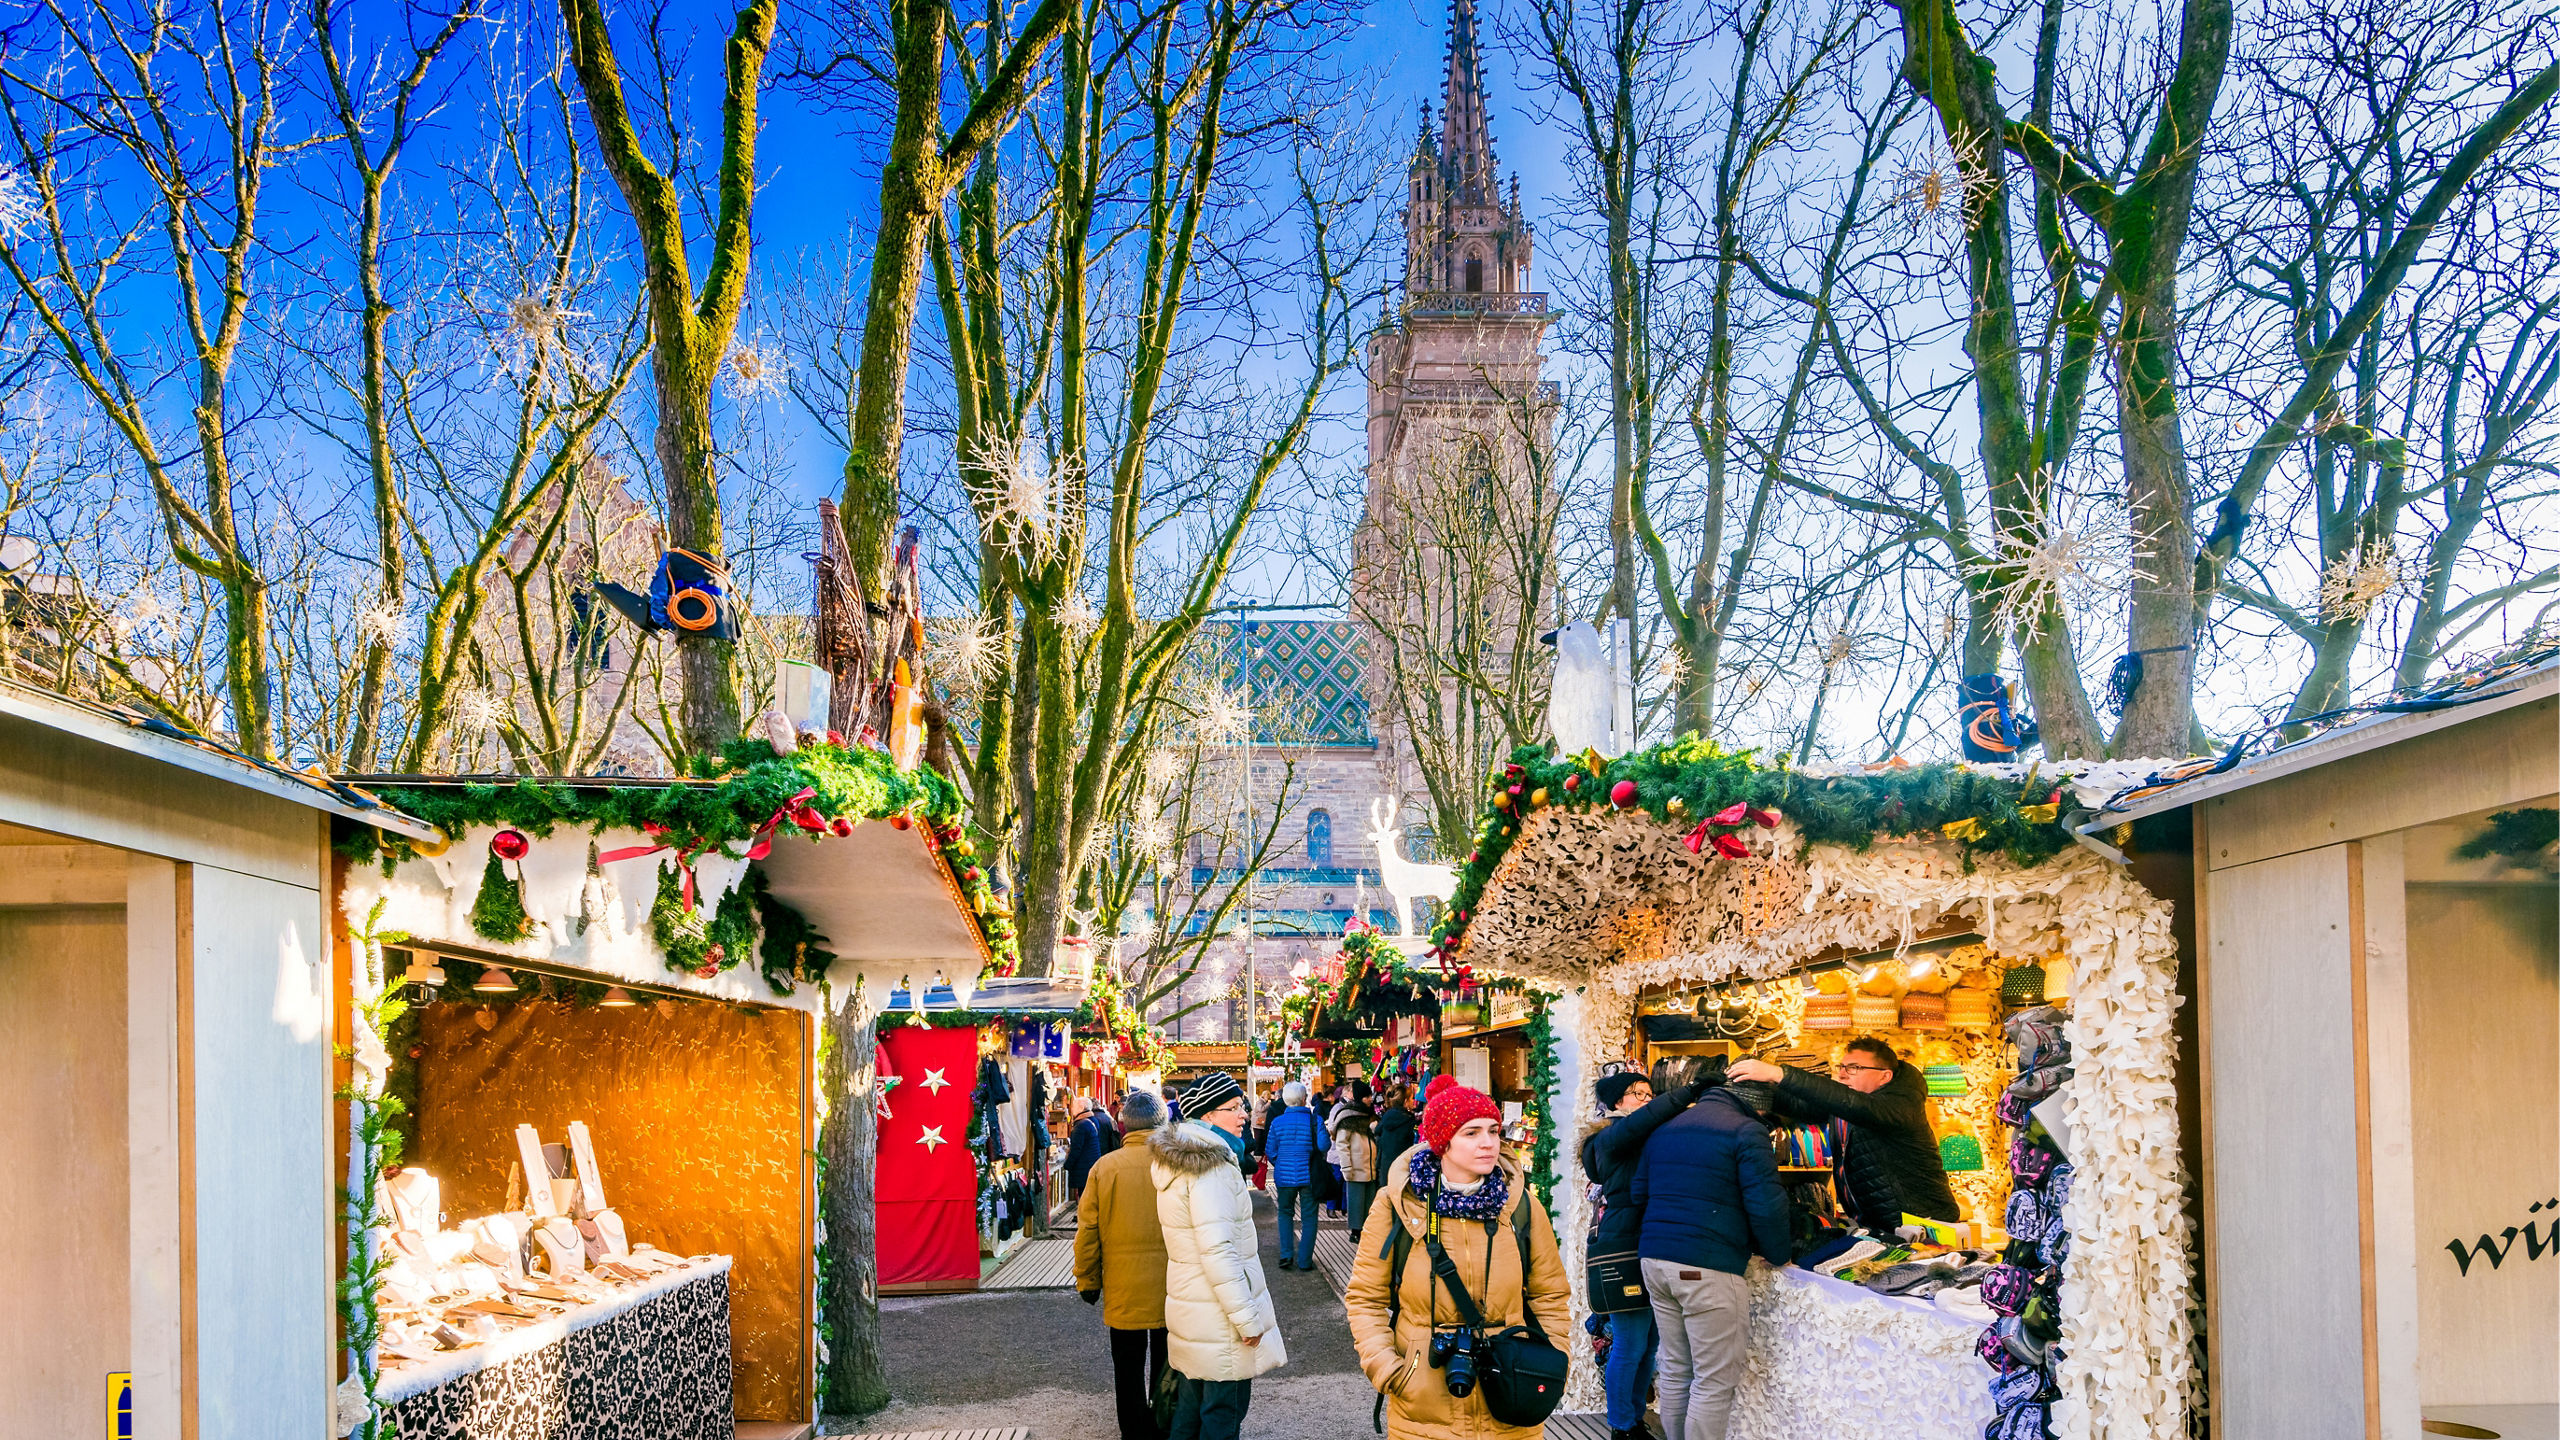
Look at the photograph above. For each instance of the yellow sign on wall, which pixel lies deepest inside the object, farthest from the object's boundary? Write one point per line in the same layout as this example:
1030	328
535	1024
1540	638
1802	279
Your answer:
120	1405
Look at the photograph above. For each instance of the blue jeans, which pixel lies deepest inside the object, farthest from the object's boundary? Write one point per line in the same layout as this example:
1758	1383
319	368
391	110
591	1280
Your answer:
1299	1250
1629	1373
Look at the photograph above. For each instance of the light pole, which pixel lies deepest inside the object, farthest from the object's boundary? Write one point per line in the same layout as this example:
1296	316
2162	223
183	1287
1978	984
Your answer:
1252	980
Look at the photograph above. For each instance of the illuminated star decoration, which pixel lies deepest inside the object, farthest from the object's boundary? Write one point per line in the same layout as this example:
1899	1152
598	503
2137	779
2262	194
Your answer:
933	1081
931	1137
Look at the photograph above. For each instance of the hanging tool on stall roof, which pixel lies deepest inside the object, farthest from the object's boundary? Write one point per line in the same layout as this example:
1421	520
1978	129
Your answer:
689	597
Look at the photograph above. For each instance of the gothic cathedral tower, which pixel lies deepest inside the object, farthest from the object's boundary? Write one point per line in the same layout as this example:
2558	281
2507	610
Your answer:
1458	415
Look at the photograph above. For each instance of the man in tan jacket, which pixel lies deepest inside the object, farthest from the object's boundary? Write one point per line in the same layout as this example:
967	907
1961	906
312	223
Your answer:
1120	1262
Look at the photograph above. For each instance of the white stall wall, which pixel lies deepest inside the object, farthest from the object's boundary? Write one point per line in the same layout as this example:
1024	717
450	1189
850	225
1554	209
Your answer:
262	1133
2485	1051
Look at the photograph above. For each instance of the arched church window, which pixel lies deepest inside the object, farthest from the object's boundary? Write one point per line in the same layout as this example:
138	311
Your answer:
1475	274
1319	838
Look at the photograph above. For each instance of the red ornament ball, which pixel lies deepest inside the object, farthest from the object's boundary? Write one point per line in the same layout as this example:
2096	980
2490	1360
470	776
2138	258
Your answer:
836	738
1623	794
841	826
1573	782
901	821
509	844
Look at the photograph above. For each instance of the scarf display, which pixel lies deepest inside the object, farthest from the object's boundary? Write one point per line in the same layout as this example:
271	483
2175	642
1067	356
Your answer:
1485	1202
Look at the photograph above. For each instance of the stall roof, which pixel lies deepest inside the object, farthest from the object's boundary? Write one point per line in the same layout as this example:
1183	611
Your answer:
152	737
2386	722
1000	995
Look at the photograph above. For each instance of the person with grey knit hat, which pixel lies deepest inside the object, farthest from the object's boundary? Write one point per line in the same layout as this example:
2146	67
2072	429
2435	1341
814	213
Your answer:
1120	1263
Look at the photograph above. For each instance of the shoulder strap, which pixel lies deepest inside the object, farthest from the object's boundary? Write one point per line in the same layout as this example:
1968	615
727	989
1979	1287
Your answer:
1399	1245
1520	1232
1447	1270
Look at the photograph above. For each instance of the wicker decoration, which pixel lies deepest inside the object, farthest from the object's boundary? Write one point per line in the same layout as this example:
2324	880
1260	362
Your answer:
1924	1012
1873	1012
1969	1009
1826	1012
2023	985
1944	1079
1958	1154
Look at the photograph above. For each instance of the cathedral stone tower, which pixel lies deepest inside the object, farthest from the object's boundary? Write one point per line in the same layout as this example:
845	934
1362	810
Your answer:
1458	410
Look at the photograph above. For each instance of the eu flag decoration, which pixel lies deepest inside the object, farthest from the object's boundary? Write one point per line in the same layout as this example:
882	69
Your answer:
689	596
1992	731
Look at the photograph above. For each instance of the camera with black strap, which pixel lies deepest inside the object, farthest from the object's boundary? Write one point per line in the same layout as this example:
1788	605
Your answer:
1519	1371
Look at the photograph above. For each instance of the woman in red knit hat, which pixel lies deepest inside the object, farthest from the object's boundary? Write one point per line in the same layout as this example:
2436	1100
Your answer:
1456	1187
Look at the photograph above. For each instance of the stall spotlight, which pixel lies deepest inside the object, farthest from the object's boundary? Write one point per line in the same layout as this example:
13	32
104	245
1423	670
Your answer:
617	998
425	974
494	981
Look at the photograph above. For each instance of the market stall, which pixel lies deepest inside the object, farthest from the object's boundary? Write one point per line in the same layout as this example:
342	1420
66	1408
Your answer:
1945	909
583	1089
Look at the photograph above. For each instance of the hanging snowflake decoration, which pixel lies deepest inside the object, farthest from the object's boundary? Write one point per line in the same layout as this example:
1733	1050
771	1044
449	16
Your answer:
380	622
1943	185
1223	717
1015	495
19	203
1843	646
476	711
1674	665
1076	614
2051	555
966	648
757	372
1152	837
143	616
1161	769
535	326
2356	582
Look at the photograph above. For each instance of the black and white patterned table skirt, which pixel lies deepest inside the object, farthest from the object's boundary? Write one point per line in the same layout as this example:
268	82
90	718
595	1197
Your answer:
658	1371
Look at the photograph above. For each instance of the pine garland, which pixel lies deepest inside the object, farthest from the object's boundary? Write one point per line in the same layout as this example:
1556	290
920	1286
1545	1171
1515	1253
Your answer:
1542	1086
722	805
1689	780
375	1147
2514	835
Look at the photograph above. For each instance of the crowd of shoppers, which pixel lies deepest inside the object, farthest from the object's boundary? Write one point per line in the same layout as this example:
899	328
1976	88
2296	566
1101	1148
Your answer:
1458	1300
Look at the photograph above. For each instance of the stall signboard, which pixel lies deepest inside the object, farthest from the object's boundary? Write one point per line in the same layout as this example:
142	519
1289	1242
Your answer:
1207	1056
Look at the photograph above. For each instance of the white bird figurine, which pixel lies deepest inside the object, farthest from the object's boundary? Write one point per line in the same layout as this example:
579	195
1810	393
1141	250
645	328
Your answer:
1580	702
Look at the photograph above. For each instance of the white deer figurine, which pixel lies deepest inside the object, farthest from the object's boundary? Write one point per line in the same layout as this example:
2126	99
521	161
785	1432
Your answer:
1404	879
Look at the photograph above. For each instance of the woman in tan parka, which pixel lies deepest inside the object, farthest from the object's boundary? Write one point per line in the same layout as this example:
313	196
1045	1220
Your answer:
1458	1171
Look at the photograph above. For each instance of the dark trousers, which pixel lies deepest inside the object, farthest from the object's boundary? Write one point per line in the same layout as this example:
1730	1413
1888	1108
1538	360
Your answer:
1298	1249
1210	1409
1137	1360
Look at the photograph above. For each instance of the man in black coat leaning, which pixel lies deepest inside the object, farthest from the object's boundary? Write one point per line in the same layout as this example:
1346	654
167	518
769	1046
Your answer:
1092	1137
1708	1185
1398	1128
1892	1165
1609	1157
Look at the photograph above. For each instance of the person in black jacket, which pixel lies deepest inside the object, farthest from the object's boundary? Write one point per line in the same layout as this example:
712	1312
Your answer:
1609	1156
1708	1185
1398	1129
1092	1137
1892	1166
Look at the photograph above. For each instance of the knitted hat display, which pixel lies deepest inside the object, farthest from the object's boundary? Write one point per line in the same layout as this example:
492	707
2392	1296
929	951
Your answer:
2023	985
1873	1012
1208	1093
1826	1012
1924	1012
1944	1080
1959	1153
1969	1009
1451	1109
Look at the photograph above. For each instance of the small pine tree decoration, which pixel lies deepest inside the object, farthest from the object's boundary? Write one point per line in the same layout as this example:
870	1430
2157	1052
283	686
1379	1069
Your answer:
498	911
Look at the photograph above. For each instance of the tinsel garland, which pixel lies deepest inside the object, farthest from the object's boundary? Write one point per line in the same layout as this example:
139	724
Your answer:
1689	780
725	805
374	1147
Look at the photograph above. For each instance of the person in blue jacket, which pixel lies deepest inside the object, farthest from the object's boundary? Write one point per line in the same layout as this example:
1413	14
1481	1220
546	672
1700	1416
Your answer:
1295	1145
1708	1184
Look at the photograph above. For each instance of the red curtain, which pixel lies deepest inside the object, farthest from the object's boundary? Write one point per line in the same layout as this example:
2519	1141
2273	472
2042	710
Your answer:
927	1183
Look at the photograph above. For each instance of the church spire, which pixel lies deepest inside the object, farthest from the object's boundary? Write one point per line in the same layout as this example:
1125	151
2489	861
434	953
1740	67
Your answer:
1466	136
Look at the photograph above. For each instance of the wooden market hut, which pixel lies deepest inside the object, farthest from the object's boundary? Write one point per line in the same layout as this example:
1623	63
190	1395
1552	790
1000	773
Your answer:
657	960
2377	1081
1683	871
165	1040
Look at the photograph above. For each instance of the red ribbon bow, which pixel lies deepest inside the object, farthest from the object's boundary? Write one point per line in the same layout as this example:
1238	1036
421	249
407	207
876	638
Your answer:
684	857
797	811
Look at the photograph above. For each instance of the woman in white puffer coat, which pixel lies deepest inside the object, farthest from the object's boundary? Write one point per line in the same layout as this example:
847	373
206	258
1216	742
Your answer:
1221	1329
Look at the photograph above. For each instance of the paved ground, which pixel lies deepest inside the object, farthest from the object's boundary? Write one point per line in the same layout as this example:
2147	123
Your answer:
1041	1358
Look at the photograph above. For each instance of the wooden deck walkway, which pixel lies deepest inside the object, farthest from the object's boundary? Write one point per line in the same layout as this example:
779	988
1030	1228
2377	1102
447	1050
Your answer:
1036	1265
1013	1433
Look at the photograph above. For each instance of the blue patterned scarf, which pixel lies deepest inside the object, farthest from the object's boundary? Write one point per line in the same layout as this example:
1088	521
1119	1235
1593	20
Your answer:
1422	1173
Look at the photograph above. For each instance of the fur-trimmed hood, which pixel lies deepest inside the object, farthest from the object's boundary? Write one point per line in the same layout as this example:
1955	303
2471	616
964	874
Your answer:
1190	1148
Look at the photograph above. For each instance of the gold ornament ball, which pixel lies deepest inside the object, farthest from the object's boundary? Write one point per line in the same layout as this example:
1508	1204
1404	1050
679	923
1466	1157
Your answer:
1677	806
1538	797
